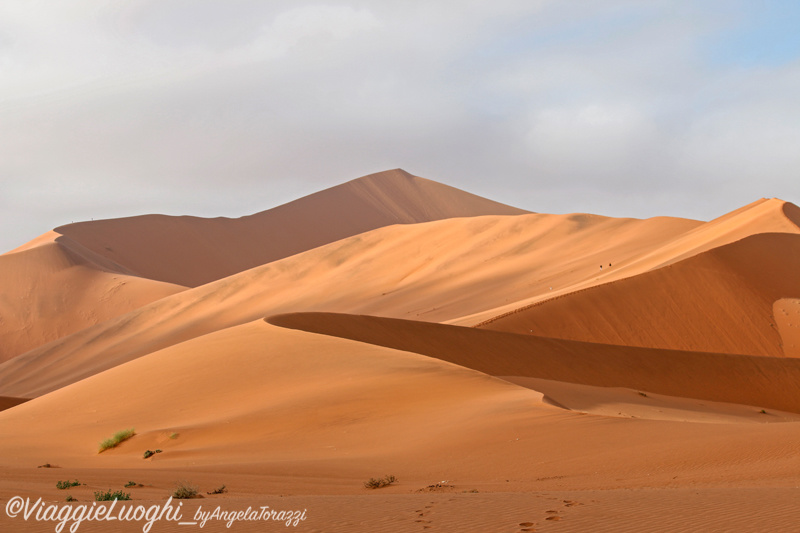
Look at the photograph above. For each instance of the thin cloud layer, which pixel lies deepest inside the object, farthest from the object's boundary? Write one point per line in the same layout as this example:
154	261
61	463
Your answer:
226	108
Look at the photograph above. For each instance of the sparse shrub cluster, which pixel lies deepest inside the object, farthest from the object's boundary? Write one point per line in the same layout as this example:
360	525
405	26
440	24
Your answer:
184	491
150	453
220	490
374	483
61	485
118	437
109	496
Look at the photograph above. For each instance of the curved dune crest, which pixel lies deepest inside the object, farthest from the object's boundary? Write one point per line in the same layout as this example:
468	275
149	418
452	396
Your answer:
256	392
434	271
54	287
262	400
718	301
750	380
192	251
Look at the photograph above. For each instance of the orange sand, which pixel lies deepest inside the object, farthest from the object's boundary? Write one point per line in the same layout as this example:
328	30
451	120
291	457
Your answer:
293	354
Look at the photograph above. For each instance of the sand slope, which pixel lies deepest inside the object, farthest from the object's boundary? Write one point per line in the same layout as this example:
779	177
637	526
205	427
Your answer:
192	251
256	392
718	301
437	271
275	402
54	287
757	381
763	216
486	430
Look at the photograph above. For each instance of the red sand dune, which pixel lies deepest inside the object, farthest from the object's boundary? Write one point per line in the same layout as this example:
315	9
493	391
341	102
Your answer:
270	400
552	433
192	251
53	287
763	216
6	402
758	381
718	301
438	271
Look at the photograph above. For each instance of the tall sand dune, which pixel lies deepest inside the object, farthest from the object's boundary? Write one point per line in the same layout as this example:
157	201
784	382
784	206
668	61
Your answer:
192	251
437	271
273	402
750	380
54	287
762	216
767	215
721	300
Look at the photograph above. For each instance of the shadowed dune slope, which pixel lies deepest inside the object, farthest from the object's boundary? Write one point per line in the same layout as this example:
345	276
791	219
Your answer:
259	393
192	251
719	301
768	215
54	287
7	402
763	216
271	401
759	381
434	271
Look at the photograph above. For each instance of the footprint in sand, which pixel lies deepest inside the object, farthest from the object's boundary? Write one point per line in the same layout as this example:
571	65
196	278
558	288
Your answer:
526	526
422	513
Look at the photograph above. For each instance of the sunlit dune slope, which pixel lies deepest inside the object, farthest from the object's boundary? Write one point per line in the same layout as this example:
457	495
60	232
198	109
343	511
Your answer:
54	286
192	251
435	271
271	401
763	216
758	381
768	215
259	393
718	301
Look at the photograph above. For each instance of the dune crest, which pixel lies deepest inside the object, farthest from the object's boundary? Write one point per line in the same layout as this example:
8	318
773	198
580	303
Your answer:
475	264
718	301
54	287
748	380
192	251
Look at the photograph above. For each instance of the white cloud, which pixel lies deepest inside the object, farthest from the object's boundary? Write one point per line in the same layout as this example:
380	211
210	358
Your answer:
224	108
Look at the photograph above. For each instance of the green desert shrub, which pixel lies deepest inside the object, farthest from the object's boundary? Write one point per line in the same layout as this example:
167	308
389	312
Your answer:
115	439
108	496
61	485
184	491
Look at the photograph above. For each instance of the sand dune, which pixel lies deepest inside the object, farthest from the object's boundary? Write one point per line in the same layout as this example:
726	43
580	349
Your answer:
763	216
54	287
768	215
263	400
268	375
7	402
192	251
437	271
762	382
277	394
718	301
620	402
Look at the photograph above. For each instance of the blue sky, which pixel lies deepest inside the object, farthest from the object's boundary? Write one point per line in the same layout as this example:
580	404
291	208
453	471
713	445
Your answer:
225	108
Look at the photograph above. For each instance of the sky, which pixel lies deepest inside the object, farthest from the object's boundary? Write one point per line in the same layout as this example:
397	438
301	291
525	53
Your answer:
230	107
